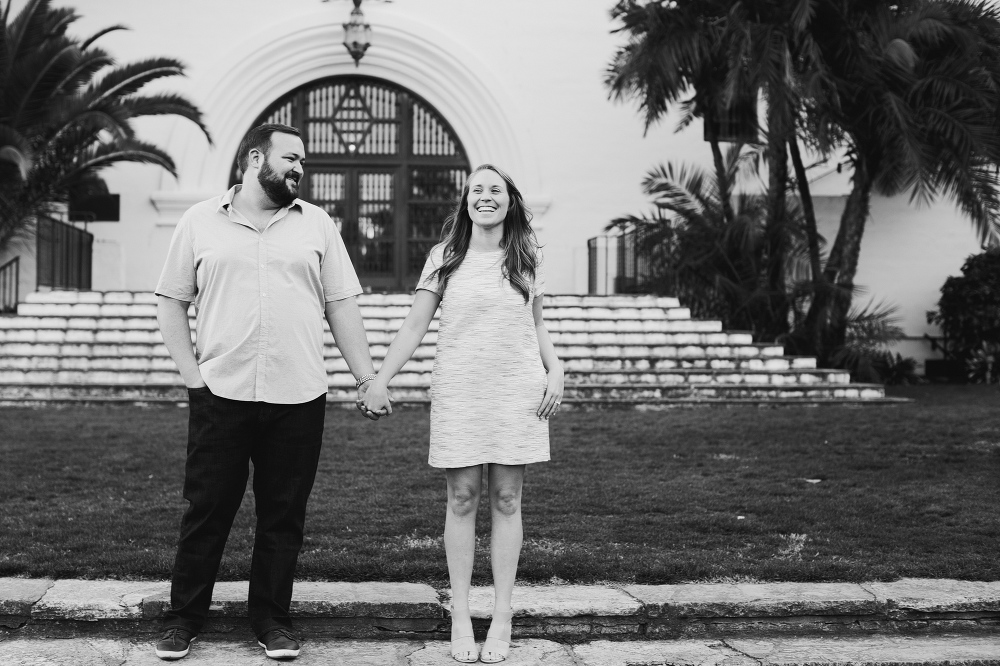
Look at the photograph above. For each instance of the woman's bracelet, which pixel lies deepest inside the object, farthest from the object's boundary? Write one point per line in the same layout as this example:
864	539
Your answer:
365	378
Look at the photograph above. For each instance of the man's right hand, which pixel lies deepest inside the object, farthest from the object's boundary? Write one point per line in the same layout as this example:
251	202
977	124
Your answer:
195	382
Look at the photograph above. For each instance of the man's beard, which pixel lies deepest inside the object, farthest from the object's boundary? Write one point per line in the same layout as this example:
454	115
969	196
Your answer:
275	186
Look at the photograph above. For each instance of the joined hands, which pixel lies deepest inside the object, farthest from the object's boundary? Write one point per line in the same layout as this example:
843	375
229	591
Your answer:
374	400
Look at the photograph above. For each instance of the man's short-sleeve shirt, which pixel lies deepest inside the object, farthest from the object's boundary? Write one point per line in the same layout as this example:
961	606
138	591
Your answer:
259	296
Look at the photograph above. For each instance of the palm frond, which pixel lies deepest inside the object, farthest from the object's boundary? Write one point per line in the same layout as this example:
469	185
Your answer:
137	106
37	74
803	12
122	151
15	149
679	189
83	124
129	79
874	325
87	43
89	64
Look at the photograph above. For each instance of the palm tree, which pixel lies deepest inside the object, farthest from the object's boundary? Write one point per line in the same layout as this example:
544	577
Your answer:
675	55
771	42
66	112
718	265
719	53
917	92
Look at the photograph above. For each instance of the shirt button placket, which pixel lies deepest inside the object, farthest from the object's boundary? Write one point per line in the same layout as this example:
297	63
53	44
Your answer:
262	338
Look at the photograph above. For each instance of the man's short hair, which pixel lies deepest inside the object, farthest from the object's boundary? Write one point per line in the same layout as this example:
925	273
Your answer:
259	138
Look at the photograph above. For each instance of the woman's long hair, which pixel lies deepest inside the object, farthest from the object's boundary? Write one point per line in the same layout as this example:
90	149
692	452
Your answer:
518	242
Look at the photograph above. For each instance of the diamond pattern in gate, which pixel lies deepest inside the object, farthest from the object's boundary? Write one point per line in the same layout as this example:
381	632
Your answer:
352	119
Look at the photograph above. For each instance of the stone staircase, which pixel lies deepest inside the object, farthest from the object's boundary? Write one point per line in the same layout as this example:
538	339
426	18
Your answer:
634	351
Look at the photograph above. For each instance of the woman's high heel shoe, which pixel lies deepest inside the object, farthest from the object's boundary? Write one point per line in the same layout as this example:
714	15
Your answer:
463	648
497	643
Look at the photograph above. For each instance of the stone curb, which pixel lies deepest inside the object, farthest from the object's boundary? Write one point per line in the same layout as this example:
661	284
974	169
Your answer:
563	611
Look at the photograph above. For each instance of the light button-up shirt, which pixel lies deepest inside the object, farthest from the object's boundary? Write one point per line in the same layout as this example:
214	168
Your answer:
259	296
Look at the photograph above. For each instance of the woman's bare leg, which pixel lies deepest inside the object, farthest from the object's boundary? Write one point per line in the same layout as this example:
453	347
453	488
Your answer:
505	483
464	490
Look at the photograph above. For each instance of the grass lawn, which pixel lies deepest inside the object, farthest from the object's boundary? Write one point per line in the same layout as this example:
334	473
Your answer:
796	494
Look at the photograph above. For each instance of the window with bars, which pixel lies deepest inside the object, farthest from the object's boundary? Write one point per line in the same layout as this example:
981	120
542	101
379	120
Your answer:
383	163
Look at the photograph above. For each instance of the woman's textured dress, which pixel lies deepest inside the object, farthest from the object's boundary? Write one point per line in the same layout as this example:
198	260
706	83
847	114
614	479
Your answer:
488	377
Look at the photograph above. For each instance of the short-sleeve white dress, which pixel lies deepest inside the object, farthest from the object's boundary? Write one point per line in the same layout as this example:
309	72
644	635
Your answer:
488	378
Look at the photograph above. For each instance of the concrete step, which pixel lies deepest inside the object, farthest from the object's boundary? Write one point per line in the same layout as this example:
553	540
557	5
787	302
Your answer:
743	391
165	387
148	311
649	353
377	320
49	329
146	297
753	363
161	370
838	620
124	333
650	339
707	376
149	343
68	356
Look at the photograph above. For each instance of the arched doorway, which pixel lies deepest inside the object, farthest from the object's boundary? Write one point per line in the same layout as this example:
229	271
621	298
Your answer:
383	163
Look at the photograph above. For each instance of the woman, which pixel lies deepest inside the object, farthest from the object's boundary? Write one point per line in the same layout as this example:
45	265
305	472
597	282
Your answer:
495	383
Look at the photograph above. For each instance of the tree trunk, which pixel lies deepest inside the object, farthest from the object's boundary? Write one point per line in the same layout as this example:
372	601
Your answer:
721	173
847	251
812	231
826	323
776	231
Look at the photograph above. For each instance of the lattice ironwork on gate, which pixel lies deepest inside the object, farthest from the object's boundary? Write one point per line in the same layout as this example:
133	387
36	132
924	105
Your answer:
383	163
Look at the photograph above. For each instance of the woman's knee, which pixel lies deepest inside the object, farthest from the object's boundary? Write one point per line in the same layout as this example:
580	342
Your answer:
506	501
463	499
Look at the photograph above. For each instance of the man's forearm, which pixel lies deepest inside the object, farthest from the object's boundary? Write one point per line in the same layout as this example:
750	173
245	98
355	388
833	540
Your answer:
172	316
348	330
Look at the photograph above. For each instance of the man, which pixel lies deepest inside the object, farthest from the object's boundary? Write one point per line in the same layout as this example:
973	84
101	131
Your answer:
262	268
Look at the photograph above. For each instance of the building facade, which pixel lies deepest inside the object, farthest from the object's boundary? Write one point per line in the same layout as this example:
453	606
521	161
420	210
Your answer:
446	85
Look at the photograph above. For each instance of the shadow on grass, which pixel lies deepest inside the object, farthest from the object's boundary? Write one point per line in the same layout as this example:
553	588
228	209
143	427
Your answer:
794	494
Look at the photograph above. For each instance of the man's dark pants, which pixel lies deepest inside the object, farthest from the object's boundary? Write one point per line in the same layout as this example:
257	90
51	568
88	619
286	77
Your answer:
224	436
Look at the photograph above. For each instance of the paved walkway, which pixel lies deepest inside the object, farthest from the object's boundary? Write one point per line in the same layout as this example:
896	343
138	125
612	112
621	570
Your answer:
911	621
871	651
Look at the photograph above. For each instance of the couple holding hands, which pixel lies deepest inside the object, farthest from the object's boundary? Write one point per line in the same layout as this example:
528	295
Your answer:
262	268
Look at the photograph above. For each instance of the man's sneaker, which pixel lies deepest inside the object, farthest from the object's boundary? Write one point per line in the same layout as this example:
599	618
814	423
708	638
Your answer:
279	644
174	644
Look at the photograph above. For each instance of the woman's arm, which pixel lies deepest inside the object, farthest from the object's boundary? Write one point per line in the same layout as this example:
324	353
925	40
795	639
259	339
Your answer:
413	330
554	391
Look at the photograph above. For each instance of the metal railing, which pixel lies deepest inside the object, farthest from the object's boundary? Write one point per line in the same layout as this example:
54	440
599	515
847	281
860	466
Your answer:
64	255
10	285
618	264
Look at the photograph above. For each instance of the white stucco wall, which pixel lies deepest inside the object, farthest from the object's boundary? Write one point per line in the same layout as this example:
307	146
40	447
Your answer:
520	80
907	253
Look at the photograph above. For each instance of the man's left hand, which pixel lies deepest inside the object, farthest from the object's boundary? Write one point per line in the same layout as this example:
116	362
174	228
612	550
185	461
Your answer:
359	403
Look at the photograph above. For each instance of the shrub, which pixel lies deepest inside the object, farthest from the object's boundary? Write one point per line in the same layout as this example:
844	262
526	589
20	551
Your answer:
871	330
969	316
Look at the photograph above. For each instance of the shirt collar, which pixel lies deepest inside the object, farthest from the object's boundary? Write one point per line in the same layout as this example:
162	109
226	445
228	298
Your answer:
227	200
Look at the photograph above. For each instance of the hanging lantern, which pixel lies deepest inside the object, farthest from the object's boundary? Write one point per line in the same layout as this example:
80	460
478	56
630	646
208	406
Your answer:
357	34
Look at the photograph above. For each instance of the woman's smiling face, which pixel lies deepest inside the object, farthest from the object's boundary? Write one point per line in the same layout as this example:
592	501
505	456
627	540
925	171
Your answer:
488	199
